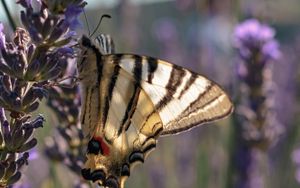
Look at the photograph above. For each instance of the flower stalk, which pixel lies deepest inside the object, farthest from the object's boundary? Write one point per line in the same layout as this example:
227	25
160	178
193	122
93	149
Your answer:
36	56
256	128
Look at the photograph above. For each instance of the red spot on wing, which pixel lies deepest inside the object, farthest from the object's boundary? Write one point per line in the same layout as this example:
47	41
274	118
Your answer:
104	146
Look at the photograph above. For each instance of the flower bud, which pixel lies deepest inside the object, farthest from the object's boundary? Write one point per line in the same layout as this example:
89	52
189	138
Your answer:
21	38
6	132
38	122
29	145
23	160
32	107
59	30
5	68
11	170
13	179
27	134
18	139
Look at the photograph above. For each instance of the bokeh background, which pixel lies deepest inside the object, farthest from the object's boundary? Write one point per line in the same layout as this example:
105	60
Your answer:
196	34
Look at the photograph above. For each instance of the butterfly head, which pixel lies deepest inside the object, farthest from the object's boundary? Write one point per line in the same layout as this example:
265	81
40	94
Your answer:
89	60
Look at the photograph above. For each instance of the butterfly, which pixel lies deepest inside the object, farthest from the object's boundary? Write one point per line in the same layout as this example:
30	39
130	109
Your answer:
129	100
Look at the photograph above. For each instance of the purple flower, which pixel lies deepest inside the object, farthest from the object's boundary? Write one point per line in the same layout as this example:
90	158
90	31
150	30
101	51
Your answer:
252	37
296	160
271	50
71	15
36	56
2	37
16	137
33	154
257	127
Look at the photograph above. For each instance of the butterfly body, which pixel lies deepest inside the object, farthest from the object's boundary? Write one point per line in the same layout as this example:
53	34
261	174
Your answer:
130	100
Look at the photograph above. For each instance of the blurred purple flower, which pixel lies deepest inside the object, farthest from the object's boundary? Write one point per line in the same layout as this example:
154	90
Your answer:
271	50
251	37
296	156
166	32
21	185
257	127
33	154
296	160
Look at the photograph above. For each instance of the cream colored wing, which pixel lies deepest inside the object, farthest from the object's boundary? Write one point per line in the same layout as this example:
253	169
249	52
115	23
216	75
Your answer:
182	98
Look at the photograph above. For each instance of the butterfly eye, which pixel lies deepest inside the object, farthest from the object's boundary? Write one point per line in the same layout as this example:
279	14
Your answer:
94	147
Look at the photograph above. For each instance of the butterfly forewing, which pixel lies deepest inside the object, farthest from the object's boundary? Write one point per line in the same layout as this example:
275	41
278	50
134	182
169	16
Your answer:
130	100
182	98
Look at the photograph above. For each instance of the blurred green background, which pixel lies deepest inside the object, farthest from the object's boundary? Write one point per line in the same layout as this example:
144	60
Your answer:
196	34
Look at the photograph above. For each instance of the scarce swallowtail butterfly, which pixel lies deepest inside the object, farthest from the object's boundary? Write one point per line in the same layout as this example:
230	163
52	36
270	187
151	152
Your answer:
129	100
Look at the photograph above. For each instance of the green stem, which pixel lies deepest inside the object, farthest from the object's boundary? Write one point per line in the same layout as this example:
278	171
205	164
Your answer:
229	180
55	181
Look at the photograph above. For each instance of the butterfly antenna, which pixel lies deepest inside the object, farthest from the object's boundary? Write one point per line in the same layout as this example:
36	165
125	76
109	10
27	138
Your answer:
103	16
87	23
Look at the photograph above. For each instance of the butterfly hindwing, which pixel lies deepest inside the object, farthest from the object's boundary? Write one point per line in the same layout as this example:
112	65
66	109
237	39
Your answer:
128	135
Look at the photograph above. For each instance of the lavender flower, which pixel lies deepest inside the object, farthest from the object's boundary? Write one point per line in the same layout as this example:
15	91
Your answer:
15	138
256	126
29	63
65	102
257	47
71	15
296	160
69	145
253	38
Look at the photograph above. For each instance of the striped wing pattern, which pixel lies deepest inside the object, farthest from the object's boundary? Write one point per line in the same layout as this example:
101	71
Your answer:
130	100
182	98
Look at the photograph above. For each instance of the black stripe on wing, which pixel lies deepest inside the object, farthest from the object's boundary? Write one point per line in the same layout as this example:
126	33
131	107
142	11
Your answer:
137	72
111	87
90	105
188	84
85	105
152	66
174	82
105	43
